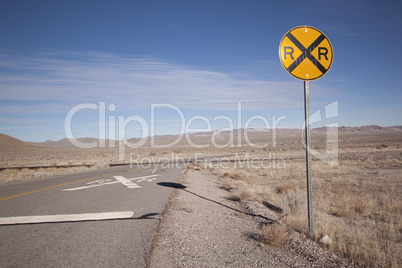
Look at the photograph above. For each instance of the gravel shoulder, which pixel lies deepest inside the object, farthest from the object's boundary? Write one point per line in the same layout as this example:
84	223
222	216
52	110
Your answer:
202	228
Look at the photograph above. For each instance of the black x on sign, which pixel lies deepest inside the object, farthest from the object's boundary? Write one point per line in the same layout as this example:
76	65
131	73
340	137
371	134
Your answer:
306	53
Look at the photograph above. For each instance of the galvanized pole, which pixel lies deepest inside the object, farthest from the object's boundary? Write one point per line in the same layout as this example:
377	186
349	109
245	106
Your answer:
308	159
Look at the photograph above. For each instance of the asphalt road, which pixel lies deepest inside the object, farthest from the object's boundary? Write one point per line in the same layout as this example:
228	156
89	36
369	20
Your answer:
101	218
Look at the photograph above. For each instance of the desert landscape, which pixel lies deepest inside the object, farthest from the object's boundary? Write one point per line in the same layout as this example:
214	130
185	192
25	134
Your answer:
357	201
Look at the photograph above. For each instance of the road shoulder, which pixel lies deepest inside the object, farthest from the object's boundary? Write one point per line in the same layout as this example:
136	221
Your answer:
201	227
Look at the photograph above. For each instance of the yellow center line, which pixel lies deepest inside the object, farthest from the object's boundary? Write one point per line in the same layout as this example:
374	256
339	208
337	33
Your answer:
56	186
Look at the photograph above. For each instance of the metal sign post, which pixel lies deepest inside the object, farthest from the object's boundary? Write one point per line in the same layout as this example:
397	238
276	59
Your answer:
308	158
306	54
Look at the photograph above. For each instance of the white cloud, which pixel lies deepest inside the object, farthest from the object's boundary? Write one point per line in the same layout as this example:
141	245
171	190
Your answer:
65	79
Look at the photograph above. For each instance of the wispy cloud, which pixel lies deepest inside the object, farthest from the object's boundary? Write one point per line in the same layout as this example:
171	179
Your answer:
68	78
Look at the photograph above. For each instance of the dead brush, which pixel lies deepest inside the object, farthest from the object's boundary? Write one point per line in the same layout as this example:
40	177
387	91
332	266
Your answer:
237	176
275	234
285	188
293	202
191	165
241	196
357	207
341	213
9	175
200	166
240	176
234	197
227	185
361	206
246	195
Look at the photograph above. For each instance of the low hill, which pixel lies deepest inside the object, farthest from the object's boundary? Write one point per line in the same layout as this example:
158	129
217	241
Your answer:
8	143
63	143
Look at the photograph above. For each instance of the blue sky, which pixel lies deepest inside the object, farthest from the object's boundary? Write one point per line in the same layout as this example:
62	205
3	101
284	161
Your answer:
203	57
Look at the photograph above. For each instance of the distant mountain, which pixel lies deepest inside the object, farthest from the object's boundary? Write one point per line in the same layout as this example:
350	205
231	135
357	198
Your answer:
65	143
370	128
164	139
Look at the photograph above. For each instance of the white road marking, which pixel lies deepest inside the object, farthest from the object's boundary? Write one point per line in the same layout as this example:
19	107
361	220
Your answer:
147	179
67	217
126	182
102	182
99	181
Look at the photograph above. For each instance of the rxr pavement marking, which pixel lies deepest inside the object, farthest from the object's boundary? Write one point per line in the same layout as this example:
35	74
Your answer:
52	187
126	182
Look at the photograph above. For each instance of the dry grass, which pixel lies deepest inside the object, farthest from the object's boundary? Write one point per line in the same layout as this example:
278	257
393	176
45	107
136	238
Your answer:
246	195
285	188
226	185
191	166
199	166
236	183
237	176
9	175
241	195
358	204
293	202
275	234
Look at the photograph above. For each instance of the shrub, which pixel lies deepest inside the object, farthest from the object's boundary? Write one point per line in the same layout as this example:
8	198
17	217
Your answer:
285	188
226	185
275	234
191	165
293	202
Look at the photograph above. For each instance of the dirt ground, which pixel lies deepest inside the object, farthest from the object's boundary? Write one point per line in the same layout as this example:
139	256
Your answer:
357	180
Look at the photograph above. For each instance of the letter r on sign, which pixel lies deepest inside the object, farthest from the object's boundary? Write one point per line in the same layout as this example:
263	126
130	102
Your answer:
288	51
321	53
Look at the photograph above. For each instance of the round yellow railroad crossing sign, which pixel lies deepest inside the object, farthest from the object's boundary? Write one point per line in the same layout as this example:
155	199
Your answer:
306	53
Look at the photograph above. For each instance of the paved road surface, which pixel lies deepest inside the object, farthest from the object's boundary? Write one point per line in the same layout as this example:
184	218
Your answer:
102	218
